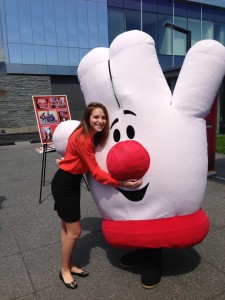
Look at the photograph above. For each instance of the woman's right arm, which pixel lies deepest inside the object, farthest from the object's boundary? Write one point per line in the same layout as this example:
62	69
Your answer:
87	155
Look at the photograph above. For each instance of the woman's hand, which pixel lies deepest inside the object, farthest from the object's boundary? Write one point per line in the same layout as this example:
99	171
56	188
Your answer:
131	183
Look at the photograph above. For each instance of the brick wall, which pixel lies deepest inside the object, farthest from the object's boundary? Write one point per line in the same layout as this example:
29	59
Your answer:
16	105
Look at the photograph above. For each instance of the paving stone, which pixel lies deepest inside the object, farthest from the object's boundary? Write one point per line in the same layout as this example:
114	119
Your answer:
30	243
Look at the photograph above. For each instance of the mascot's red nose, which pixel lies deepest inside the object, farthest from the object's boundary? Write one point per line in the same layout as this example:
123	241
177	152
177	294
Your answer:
128	160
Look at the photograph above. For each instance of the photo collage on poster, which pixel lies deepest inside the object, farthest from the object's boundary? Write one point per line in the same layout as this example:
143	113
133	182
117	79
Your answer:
50	111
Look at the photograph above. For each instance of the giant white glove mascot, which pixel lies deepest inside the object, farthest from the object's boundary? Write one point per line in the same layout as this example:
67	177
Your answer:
157	136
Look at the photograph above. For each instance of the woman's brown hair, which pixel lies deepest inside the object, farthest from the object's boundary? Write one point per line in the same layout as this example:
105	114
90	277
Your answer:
100	137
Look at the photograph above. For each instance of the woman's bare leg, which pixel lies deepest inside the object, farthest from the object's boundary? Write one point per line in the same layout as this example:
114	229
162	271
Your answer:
63	231
70	233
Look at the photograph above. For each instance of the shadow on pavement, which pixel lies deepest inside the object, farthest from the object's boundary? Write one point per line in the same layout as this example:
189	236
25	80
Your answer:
175	261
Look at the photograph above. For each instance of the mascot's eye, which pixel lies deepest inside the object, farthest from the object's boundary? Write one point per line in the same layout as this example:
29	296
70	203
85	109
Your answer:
116	135
130	132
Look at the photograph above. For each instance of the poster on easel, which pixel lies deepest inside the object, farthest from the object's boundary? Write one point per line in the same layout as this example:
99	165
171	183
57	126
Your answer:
50	111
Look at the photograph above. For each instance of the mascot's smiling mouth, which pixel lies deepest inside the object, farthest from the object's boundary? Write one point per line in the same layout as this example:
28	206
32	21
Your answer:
134	196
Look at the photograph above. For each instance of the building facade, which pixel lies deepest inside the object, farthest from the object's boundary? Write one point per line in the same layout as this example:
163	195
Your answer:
42	43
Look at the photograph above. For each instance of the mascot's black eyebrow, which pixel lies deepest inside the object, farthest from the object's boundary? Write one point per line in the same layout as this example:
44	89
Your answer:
126	112
129	112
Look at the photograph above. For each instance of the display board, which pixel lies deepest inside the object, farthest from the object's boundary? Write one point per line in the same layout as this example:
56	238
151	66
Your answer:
50	111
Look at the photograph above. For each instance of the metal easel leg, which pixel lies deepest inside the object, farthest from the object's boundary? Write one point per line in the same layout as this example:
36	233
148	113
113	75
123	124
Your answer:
43	170
85	181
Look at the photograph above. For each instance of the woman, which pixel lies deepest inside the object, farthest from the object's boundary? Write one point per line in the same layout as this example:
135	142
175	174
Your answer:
79	159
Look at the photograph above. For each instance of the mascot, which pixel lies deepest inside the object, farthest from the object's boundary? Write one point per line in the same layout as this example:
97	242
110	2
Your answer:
62	133
157	136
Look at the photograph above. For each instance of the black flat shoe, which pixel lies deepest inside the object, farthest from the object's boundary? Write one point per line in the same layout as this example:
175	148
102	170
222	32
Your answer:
81	274
72	285
150	278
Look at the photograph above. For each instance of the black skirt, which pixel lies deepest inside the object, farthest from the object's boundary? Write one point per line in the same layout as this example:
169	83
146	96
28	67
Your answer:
66	193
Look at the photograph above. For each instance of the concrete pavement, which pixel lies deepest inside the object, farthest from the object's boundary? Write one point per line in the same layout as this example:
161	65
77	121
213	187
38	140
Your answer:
30	242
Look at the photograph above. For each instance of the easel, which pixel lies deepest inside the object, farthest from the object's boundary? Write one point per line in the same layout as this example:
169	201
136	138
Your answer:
43	171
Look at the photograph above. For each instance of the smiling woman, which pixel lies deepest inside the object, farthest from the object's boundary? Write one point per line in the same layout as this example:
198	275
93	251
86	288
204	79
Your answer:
97	120
80	158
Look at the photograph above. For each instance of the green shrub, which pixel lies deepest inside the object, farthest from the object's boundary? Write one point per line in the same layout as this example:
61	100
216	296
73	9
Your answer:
220	143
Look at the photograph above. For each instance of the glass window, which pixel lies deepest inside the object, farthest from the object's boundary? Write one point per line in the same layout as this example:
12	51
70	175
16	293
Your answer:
103	25
39	55
180	39
165	7
180	9
150	24
12	21
60	21
195	26
25	22
82	24
116	23
117	3
1	36
74	57
194	11
63	56
150	6
15	68
164	42
49	22
71	19
56	70
166	61
207	30
2	56
52	58
133	4
220	16
178	61
207	13
133	19
83	52
37	22
92	24
15	54
28	54
220	33
33	69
